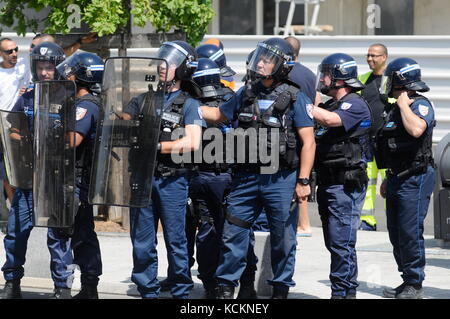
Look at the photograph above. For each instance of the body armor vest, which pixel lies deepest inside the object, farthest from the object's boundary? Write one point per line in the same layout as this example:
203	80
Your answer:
274	119
339	154
171	119
224	94
402	153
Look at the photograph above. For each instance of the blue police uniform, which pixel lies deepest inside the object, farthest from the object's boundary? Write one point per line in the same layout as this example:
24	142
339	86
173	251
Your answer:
84	243
306	80
20	221
408	194
169	198
252	191
207	189
339	196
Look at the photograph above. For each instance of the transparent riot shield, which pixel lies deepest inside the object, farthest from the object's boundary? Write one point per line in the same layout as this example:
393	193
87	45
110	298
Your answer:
54	161
128	134
18	148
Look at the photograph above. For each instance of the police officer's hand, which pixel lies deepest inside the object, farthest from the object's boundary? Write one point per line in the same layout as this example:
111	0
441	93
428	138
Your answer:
302	192
404	100
383	189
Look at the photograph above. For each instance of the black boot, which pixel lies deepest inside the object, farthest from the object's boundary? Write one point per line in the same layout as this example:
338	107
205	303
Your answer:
411	292
12	290
280	292
225	292
247	292
211	293
87	292
393	292
61	293
165	285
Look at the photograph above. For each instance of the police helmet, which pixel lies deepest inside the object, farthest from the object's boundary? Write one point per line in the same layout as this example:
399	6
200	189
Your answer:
216	54
207	73
405	73
181	55
339	66
275	52
45	51
214	41
87	68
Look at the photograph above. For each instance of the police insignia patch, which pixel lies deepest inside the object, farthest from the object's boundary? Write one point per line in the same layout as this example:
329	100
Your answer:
309	110
81	112
43	50
423	110
346	106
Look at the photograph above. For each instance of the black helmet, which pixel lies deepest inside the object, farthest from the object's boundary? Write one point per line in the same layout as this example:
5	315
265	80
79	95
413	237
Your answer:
339	66
45	51
404	72
180	54
216	54
207	77
87	68
276	51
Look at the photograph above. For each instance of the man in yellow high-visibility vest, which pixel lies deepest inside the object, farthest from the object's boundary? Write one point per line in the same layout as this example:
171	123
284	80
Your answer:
376	59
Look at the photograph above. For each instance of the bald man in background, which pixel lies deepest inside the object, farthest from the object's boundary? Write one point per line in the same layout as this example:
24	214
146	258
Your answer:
306	79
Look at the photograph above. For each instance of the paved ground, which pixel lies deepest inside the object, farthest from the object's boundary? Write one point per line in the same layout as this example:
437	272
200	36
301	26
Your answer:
377	269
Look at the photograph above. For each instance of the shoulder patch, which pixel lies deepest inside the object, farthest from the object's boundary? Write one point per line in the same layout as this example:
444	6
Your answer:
423	110
309	110
81	113
346	106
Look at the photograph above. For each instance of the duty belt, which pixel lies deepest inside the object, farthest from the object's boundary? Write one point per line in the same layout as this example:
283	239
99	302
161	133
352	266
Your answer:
166	171
413	170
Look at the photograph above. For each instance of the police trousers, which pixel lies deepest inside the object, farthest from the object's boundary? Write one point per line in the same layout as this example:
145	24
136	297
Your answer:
66	253
207	192
407	203
250	193
168	204
340	211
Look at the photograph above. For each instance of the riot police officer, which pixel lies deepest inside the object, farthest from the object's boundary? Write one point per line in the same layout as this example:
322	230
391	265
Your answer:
44	59
86	70
404	148
208	187
341	156
170	183
269	104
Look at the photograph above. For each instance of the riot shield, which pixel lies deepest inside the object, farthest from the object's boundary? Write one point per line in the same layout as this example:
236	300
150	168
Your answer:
127	136
18	148
54	161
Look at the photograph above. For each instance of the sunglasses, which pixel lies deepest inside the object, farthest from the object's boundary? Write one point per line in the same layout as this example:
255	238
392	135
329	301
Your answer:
8	52
374	55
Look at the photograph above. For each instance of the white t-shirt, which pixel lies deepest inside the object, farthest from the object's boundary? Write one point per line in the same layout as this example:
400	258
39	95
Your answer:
11	81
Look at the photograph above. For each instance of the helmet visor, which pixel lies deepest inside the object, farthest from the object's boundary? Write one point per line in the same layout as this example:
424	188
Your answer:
69	66
265	60
172	53
324	77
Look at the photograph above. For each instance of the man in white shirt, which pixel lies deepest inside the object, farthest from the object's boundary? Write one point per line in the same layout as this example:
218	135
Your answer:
14	79
14	74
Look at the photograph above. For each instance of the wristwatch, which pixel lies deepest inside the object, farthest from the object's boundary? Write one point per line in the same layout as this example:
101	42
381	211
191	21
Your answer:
303	181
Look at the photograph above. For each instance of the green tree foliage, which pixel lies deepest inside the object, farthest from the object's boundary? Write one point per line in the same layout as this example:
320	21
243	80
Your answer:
111	16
